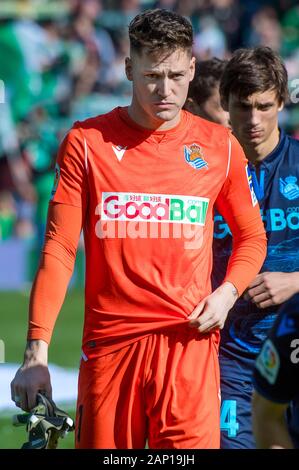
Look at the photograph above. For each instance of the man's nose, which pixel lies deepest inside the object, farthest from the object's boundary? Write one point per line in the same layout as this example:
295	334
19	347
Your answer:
254	117
164	87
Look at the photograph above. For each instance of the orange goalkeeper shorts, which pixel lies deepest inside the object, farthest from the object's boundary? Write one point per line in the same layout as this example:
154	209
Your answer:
163	389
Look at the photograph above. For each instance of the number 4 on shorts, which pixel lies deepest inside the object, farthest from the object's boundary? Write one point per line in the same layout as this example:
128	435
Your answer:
228	418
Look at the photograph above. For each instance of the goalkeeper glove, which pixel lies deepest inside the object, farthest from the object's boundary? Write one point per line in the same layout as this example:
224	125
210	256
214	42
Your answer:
45	424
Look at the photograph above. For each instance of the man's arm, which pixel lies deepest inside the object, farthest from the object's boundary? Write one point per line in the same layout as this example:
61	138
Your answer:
249	250
241	211
65	217
269	424
47	296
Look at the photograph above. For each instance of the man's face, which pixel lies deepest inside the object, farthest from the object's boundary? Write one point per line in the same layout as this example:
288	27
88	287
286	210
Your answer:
160	86
211	109
254	119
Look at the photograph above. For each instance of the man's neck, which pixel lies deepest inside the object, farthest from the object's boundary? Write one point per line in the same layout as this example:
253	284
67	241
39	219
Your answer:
261	151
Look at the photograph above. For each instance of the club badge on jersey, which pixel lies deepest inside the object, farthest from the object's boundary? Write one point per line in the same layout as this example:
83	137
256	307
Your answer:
288	187
194	157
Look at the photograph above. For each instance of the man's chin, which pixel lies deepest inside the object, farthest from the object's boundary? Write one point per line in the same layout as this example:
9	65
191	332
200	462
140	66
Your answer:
167	115
253	139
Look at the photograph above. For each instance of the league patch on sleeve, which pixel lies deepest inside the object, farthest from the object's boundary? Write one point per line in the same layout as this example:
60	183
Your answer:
268	362
56	181
250	184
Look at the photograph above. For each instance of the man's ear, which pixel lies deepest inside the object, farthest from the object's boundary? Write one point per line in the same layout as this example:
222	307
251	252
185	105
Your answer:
281	106
190	105
128	68
193	107
192	68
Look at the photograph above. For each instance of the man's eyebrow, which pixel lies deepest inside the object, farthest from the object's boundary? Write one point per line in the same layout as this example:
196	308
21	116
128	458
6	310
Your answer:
266	103
154	70
248	103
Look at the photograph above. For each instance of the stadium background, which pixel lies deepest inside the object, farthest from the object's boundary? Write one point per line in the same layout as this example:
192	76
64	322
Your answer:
62	61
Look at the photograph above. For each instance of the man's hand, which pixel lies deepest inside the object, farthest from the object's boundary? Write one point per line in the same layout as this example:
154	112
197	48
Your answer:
211	312
269	289
33	376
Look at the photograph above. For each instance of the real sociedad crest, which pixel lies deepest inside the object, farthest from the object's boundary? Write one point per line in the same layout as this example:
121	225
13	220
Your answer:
194	156
288	187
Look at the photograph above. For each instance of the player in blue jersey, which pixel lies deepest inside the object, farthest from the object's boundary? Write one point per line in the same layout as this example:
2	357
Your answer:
253	89
276	379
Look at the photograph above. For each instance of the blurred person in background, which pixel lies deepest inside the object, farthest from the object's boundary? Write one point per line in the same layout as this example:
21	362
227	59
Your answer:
14	173
31	51
186	8
210	41
228	15
116	76
17	97
39	148
98	46
265	29
290	31
203	94
129	7
166	4
254	89
276	380
150	341
8	215
15	178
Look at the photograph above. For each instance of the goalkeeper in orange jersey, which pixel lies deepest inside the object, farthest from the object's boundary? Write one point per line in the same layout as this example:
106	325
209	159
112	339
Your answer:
142	182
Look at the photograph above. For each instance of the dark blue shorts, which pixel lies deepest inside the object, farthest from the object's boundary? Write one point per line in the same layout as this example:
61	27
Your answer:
235	417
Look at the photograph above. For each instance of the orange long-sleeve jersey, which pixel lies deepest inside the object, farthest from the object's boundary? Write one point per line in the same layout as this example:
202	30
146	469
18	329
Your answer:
145	201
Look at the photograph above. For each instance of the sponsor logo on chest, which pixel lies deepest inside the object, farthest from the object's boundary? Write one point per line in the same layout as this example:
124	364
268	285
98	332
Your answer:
163	208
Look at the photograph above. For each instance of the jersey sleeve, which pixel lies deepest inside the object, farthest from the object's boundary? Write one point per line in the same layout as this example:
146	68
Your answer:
55	269
239	206
276	370
65	215
71	170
